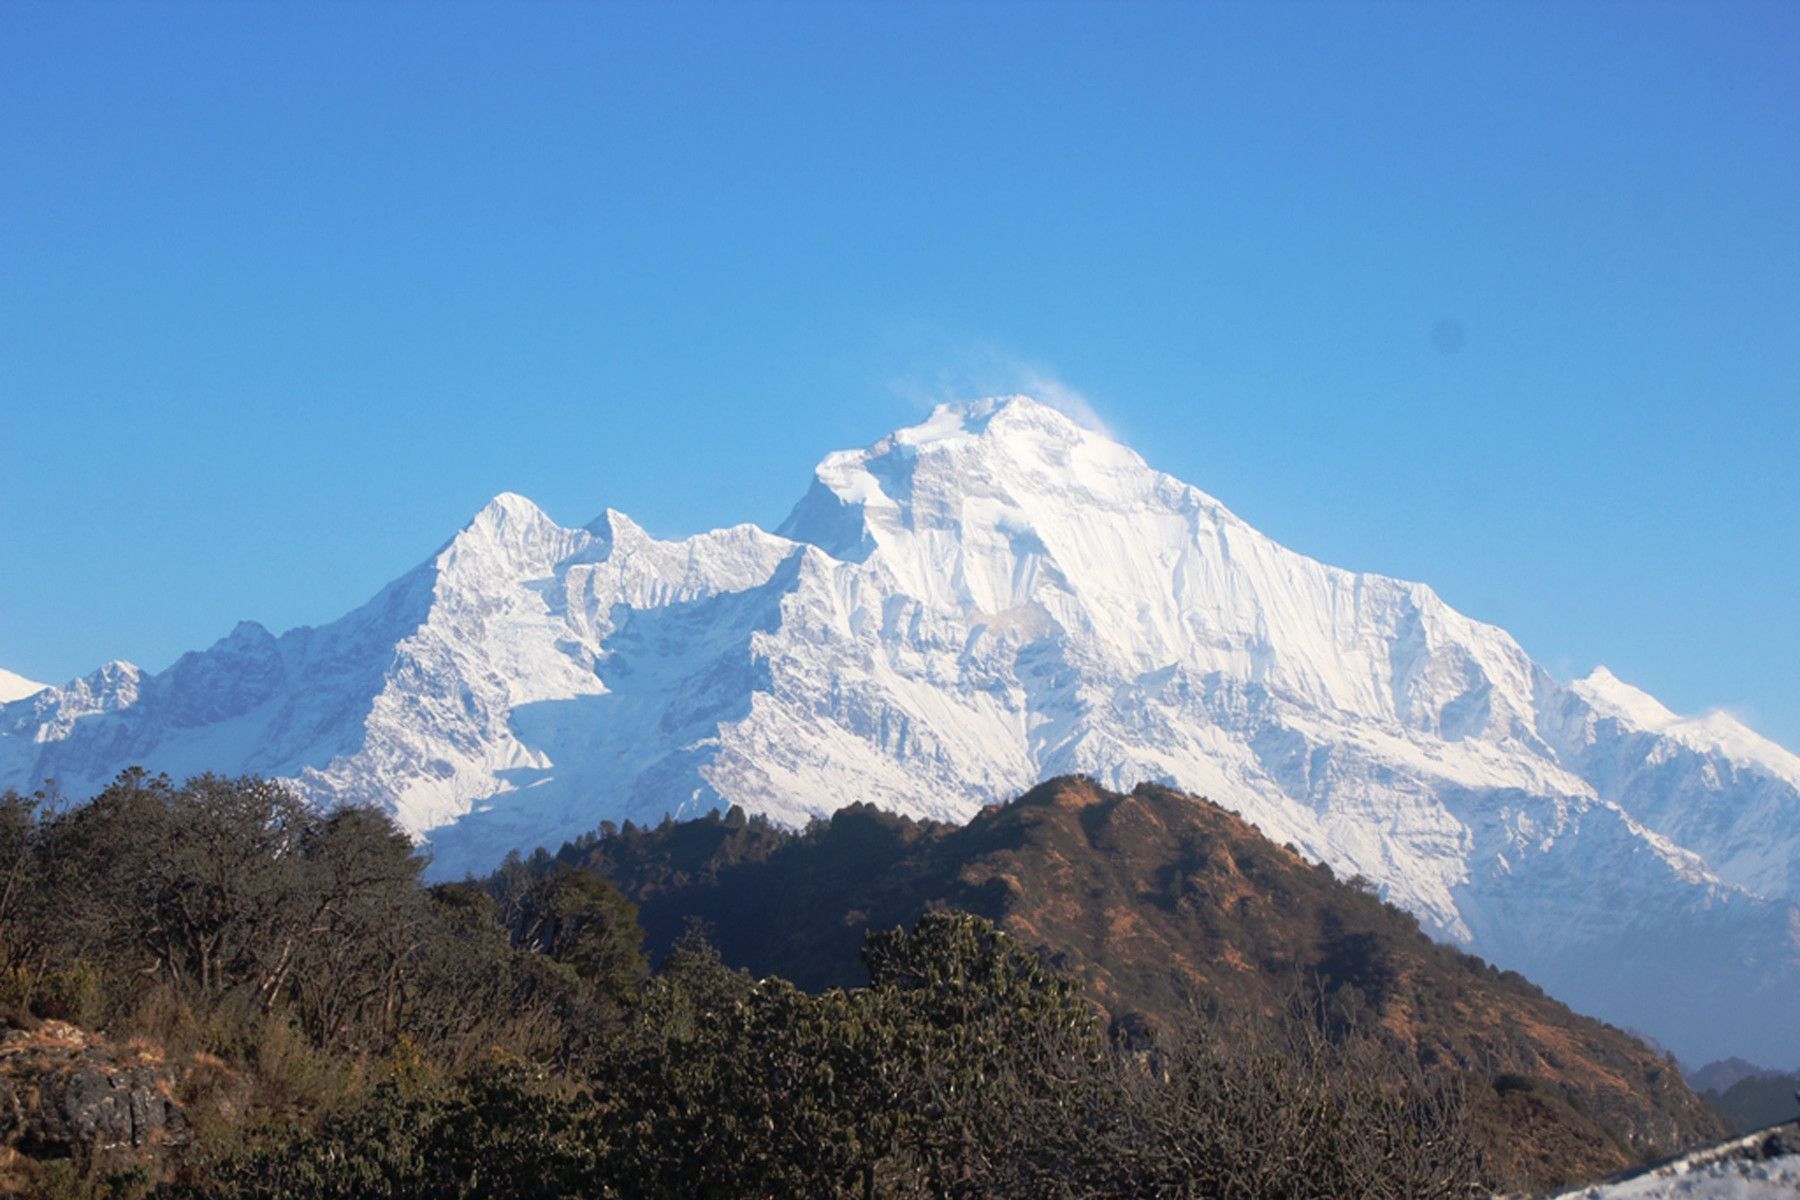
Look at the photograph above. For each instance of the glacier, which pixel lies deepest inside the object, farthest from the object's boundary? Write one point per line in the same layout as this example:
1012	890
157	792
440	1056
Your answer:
993	597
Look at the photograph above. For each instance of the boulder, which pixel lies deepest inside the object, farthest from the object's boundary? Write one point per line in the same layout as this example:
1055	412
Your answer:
67	1092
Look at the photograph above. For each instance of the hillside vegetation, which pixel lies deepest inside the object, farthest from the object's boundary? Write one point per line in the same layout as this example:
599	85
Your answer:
311	1021
1165	905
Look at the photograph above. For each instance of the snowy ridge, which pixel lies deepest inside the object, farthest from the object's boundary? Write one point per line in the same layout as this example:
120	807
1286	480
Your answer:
987	599
16	687
1716	731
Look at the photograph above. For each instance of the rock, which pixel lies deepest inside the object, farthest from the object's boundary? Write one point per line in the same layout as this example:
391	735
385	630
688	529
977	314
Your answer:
65	1092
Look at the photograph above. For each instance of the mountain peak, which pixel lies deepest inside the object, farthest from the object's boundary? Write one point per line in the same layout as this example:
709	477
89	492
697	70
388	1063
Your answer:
614	525
995	446
992	417
1611	694
509	536
1718	730
508	509
507	520
971	418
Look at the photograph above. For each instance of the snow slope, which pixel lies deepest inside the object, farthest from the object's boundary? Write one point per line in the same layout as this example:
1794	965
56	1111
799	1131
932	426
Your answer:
1756	1166
1736	1179
14	687
987	599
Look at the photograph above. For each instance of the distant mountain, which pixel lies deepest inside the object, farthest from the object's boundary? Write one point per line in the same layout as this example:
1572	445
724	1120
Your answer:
15	687
1165	904
1760	1100
1752	1097
1718	1076
990	598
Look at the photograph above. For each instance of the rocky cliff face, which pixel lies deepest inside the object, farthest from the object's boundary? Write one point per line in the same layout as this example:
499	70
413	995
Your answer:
994	597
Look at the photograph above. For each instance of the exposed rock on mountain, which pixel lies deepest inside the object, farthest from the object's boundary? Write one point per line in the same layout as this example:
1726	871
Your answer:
66	1092
991	598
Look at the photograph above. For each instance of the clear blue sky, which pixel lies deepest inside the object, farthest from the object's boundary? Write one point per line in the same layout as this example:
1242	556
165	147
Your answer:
1501	297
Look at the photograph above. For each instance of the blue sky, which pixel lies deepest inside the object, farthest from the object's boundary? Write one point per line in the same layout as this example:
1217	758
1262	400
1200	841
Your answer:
1501	297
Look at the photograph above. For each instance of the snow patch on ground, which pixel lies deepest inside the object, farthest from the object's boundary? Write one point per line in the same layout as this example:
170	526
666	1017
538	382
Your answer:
1769	1179
1742	1169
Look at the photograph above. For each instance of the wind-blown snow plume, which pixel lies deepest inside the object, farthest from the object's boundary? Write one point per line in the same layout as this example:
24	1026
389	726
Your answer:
988	370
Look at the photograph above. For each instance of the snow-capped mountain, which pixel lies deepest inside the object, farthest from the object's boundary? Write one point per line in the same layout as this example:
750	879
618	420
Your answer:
990	598
16	687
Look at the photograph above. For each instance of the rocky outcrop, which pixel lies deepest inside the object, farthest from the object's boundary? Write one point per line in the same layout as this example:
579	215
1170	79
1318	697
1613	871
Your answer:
68	1093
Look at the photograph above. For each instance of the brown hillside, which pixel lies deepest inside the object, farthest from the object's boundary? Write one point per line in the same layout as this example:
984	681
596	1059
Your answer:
1163	902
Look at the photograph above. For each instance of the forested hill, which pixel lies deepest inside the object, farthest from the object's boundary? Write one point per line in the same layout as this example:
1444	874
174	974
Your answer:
1163	904
214	990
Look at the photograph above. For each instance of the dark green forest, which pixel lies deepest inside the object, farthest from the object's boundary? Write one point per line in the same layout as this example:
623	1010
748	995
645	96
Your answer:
329	1025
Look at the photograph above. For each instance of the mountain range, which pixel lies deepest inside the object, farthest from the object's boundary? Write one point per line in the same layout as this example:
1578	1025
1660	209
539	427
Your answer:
996	596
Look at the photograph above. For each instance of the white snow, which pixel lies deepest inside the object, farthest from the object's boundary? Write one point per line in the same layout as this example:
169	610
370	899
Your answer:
16	687
1714	732
1768	1179
1710	1174
989	598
